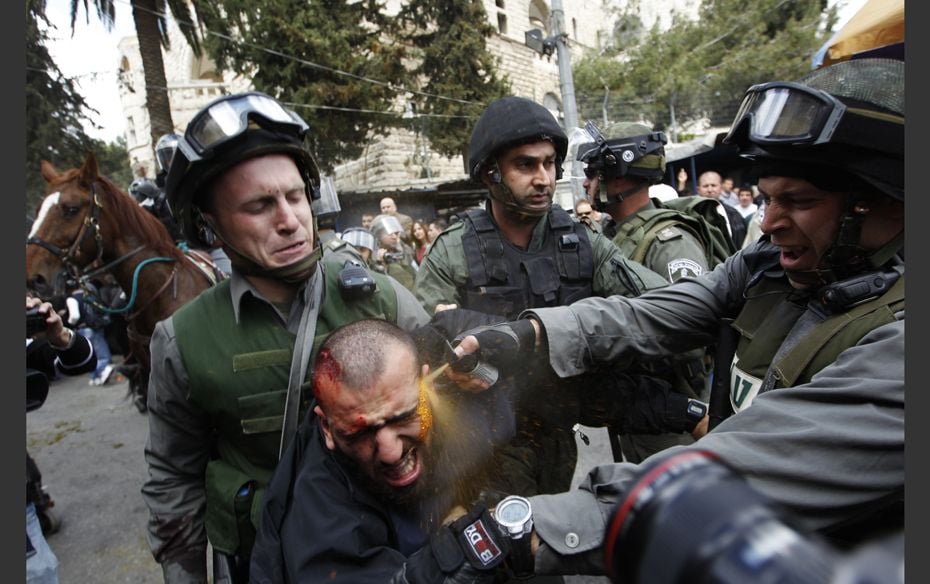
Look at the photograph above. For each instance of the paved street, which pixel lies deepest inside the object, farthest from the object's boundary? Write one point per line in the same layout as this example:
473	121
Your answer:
88	444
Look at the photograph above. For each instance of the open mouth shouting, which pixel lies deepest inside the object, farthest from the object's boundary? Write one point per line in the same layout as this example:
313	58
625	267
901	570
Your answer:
406	471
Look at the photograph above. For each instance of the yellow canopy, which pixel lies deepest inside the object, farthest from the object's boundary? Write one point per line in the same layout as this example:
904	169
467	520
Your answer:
877	24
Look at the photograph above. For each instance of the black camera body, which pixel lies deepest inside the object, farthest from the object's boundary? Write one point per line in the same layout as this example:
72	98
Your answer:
35	322
691	519
391	257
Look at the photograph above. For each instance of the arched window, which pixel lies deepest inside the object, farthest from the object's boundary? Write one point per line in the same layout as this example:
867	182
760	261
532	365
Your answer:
539	15
552	103
204	69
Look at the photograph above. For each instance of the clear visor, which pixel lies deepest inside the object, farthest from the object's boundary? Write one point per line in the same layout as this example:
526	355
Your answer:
328	202
230	117
164	153
789	113
386	224
359	238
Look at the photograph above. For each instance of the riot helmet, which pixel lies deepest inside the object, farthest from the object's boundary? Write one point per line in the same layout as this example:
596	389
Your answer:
841	128
506	123
633	150
848	117
142	189
360	237
384	224
164	151
227	131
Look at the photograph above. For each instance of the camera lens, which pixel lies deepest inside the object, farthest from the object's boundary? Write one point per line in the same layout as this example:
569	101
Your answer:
690	518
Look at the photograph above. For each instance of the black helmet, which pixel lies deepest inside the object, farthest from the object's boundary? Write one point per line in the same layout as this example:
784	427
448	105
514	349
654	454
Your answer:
164	151
632	150
142	189
512	121
227	131
847	117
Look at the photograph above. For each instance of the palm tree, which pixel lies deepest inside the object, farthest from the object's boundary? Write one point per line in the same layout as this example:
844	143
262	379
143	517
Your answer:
152	32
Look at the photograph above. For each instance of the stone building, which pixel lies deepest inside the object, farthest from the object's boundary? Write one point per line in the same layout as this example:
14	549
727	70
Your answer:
402	160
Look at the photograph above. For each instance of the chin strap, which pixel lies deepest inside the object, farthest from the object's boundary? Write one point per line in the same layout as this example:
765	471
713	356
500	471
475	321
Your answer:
291	274
857	265
603	200
501	193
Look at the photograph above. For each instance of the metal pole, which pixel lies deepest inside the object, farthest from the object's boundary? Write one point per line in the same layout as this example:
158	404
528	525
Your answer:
566	86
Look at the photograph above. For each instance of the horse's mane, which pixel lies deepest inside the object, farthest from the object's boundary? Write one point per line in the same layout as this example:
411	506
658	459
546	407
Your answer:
131	217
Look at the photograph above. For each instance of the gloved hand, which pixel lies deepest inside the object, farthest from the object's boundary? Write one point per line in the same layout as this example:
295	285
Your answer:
506	344
470	550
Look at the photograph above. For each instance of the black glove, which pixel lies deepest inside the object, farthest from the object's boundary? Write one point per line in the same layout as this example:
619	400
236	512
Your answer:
646	404
468	551
506	344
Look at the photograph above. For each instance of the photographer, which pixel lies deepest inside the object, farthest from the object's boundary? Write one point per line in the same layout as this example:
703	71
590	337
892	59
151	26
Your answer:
50	347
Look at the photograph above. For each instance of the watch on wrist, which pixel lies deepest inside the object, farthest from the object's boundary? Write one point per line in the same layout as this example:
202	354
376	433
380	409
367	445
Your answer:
514	516
696	410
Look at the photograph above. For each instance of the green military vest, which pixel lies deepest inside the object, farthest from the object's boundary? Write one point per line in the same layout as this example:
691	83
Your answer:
238	375
696	215
766	320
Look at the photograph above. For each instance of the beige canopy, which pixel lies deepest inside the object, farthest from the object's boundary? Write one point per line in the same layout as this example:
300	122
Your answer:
879	23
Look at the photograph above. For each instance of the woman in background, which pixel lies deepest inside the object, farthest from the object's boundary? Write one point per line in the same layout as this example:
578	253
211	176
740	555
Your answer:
419	239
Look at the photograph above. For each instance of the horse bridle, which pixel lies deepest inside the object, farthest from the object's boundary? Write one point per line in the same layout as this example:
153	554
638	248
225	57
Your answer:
75	271
91	225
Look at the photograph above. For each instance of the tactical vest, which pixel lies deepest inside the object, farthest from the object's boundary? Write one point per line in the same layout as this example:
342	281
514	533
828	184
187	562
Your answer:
696	215
768	316
238	376
504	280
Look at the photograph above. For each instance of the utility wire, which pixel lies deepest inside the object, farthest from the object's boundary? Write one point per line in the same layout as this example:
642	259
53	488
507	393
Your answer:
396	88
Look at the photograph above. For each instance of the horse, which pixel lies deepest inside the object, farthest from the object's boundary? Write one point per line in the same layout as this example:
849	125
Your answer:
87	223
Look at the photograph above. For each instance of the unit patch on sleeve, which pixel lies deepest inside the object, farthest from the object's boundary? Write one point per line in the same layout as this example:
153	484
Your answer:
683	267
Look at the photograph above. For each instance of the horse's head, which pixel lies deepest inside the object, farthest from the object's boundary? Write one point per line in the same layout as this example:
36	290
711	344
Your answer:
65	236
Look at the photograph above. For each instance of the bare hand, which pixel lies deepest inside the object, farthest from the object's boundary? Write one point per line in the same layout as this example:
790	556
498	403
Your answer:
701	429
441	307
55	331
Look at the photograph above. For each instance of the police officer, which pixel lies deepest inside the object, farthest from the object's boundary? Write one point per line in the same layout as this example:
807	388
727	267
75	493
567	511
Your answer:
392	256
817	375
524	252
225	389
619	171
362	240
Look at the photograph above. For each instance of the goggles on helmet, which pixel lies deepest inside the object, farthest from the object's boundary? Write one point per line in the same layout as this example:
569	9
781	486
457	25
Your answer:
617	157
229	117
782	113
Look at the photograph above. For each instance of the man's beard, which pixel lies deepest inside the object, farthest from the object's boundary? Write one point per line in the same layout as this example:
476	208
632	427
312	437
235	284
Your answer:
409	498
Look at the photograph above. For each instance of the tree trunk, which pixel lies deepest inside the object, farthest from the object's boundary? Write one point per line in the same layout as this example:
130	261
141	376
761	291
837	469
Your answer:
156	92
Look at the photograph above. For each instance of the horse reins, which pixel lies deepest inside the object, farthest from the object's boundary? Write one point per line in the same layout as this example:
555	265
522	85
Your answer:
76	272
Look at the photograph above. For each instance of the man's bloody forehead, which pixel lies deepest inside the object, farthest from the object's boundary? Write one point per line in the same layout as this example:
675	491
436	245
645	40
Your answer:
327	370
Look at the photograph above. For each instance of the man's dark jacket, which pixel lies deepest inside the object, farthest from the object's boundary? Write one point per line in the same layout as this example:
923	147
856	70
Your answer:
332	530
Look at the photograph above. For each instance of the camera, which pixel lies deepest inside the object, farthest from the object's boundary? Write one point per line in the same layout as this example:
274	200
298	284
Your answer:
35	322
391	257
690	518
